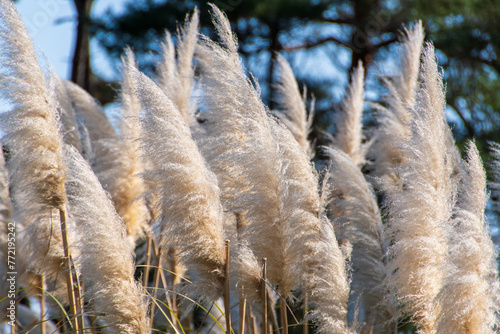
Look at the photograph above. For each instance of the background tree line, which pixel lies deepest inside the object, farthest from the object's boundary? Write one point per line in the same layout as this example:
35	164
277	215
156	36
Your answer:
343	31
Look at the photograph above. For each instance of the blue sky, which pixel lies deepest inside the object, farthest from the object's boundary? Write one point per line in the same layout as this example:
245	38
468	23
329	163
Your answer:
51	24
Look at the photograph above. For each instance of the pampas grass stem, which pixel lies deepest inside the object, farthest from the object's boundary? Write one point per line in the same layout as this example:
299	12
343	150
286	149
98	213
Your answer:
43	305
305	302
242	311
283	315
147	265
69	271
264	296
227	290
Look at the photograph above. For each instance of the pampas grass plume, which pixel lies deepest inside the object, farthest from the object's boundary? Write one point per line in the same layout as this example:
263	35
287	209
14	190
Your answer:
105	256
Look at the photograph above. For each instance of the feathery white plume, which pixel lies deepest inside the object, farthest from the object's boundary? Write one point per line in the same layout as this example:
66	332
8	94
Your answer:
67	115
105	256
135	213
395	117
32	137
176	78
348	129
111	163
294	113
356	217
420	206
470	294
266	177
191	214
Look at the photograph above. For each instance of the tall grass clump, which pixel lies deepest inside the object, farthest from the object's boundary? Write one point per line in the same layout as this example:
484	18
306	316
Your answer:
266	177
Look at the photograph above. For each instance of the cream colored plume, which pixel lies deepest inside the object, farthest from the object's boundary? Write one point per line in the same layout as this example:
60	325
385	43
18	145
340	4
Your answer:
36	170
112	163
354	211
348	127
265	176
67	115
136	213
420	206
176	78
469	298
191	214
105	256
293	107
395	118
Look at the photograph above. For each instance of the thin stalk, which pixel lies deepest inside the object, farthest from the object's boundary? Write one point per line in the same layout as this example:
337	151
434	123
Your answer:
69	273
43	305
264	296
284	319
172	307
227	302
306	308
148	262
271	315
78	295
243	308
157	282
253	322
173	269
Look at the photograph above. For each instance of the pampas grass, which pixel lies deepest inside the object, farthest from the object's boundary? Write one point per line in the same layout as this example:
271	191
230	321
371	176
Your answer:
395	117
420	207
191	214
348	128
176	78
244	175
470	291
294	113
113	167
356	216
135	213
105	257
36	171
67	115
267	178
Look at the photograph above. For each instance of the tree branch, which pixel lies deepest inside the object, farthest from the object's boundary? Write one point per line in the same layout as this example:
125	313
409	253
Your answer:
312	44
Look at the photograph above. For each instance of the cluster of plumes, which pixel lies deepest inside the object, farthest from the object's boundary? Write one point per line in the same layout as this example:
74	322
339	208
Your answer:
47	181
244	174
432	259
